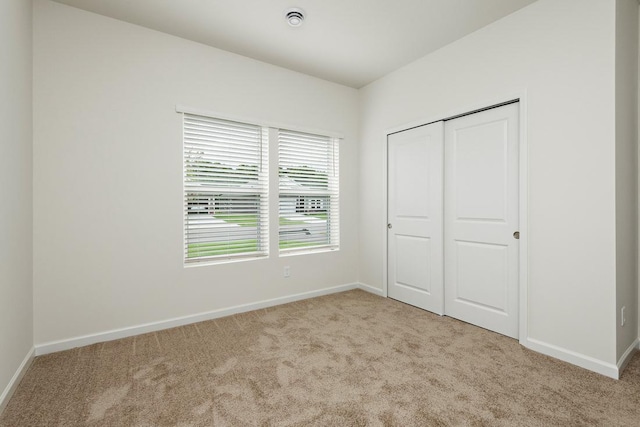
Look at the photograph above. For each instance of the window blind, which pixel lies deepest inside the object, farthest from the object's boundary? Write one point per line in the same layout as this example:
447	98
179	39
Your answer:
225	189
308	192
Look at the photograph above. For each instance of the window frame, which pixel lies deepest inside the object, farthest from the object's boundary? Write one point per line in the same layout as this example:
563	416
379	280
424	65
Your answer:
310	191
236	195
270	149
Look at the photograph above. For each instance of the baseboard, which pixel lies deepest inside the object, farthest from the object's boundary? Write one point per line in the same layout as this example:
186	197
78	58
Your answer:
371	289
15	380
67	344
628	354
607	369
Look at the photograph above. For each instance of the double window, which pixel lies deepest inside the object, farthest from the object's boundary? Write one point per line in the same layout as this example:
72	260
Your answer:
227	197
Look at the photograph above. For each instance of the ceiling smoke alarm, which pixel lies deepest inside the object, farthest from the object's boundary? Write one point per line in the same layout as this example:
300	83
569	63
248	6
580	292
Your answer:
294	16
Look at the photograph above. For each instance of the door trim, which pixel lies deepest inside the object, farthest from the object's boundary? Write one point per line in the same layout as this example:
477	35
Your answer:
523	262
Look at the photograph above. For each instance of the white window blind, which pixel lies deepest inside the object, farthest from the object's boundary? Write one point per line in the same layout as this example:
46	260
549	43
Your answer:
225	189
309	196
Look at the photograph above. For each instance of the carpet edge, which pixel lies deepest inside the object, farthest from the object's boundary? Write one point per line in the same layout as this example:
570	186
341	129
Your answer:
15	380
587	362
114	334
371	289
627	355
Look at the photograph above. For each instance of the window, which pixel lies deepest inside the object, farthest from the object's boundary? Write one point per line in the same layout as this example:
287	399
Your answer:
308	202
225	189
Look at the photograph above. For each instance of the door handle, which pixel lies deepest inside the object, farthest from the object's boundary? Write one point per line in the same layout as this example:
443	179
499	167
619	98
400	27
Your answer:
389	226
516	235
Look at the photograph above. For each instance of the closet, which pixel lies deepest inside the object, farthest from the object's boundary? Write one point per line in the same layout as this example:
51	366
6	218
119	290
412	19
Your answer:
452	200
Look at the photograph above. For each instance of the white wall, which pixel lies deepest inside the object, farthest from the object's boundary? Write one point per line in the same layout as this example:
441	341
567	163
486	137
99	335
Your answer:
16	302
626	117
107	167
108	173
638	163
561	52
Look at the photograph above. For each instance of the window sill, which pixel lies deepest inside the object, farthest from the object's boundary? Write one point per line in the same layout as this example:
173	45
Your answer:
221	261
308	251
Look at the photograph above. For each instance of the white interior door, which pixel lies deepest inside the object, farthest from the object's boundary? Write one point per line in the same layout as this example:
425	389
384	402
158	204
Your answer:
481	216
415	206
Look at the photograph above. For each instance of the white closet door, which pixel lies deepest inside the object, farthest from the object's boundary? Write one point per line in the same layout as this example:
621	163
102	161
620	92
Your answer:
415	206
481	216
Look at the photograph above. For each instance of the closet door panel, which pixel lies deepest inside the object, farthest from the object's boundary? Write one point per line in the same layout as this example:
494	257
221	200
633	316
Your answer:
415	206
481	217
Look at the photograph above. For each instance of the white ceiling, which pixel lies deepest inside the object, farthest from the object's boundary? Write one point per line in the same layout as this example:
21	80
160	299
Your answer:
352	42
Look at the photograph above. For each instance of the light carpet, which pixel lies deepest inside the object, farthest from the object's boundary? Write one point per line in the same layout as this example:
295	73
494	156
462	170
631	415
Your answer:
348	359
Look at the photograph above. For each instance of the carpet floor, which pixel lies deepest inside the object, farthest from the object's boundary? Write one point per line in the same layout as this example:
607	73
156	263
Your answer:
348	359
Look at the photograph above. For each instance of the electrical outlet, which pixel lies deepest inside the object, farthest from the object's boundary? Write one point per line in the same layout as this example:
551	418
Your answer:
623	319
287	271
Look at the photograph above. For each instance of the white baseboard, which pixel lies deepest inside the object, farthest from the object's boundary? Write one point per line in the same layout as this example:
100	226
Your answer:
15	380
371	289
607	369
587	362
628	354
67	344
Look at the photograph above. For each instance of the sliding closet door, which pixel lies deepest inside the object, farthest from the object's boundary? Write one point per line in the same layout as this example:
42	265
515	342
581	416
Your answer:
414	214
481	219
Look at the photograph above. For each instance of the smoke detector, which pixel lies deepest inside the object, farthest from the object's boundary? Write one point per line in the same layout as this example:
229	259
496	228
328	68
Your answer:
294	16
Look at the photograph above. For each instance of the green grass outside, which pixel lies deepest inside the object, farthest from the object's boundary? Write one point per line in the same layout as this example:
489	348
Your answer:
317	215
285	221
244	220
237	247
252	220
221	248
